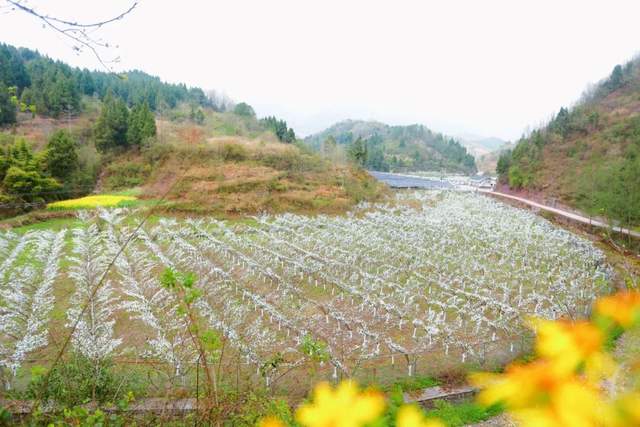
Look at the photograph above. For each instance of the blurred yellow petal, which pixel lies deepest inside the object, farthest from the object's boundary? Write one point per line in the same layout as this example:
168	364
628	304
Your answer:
567	344
577	404
571	404
520	385
346	406
599	366
409	416
534	417
564	387
412	416
270	422
628	410
623	307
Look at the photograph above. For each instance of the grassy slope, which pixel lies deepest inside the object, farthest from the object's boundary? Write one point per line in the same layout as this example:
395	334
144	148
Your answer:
230	165
567	163
227	166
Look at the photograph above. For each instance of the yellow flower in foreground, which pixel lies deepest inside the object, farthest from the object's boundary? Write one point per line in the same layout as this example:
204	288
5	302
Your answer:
565	387
569	344
91	202
628	407
519	386
411	416
623	307
346	406
270	422
536	397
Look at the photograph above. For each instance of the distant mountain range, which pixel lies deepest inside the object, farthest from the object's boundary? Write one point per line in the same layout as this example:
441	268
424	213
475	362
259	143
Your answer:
479	145
397	148
488	162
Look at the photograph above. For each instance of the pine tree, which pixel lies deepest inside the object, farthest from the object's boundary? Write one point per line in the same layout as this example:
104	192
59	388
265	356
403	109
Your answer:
111	129
291	136
199	116
141	125
7	108
244	109
615	80
358	151
61	156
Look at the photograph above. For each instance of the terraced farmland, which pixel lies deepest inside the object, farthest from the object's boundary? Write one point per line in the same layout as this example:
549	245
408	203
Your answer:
428	272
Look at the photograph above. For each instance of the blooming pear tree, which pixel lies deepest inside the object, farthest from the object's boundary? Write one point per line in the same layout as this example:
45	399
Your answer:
423	272
93	307
26	299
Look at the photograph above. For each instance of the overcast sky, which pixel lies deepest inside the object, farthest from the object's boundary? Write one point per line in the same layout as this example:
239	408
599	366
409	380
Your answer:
490	68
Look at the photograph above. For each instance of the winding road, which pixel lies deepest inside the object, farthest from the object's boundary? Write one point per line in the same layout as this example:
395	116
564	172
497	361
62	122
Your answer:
571	215
396	180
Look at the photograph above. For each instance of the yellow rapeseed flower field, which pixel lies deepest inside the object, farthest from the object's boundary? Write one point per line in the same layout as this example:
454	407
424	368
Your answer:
105	200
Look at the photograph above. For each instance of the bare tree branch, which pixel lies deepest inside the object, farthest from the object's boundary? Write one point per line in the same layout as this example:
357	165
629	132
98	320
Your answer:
78	32
76	24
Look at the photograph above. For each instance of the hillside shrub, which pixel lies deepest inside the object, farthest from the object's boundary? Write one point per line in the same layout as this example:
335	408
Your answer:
233	152
75	381
127	174
516	180
156	152
293	161
359	189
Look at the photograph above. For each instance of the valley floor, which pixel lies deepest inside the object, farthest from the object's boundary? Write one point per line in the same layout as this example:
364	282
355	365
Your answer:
425	284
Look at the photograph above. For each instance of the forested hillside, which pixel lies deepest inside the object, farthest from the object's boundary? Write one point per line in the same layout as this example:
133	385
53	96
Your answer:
54	88
589	155
66	132
381	147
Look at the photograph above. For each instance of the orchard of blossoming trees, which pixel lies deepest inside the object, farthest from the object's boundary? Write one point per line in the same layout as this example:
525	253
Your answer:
430	270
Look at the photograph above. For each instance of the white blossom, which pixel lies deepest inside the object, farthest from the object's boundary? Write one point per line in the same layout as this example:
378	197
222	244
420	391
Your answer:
94	335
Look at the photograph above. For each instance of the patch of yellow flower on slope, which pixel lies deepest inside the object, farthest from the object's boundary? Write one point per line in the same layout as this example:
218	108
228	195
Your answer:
91	202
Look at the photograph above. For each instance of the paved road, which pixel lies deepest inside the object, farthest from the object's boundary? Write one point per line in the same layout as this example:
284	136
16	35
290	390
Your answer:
566	214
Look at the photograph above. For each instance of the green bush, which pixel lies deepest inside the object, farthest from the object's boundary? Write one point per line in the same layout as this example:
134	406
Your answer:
277	186
359	190
156	152
127	174
257	405
77	380
293	161
516	179
416	382
233	152
461	414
